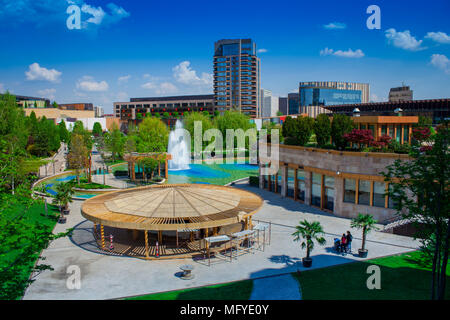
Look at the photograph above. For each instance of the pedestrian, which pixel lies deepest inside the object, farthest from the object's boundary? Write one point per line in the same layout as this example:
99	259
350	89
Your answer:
349	238
343	243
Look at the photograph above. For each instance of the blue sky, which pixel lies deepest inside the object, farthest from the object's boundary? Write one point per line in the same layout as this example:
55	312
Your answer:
154	48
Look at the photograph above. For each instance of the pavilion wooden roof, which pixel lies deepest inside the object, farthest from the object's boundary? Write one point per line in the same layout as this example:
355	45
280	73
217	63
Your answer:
172	207
135	156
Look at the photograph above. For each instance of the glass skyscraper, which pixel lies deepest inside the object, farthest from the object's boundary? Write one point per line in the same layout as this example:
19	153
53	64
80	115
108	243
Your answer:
325	93
237	76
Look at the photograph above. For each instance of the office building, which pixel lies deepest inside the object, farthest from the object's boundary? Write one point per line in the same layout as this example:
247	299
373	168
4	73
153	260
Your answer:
268	103
138	108
76	106
403	93
293	103
283	105
31	102
326	93
237	76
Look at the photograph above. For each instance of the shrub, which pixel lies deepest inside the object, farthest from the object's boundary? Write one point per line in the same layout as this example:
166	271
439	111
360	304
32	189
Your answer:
297	131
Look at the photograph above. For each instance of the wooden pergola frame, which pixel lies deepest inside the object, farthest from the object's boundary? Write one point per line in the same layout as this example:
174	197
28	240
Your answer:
133	158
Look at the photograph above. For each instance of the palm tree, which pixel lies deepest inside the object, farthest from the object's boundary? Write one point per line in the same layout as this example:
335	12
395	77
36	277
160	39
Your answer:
309	232
366	222
64	193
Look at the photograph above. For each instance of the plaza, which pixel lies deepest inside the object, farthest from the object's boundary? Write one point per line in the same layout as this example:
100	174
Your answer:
105	276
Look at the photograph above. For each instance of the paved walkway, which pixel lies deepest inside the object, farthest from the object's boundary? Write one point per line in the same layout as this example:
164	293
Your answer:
108	277
283	287
57	163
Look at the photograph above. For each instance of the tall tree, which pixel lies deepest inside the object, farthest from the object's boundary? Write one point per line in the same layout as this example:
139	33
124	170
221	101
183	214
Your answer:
63	132
152	136
97	129
340	126
322	129
420	190
114	142
78	157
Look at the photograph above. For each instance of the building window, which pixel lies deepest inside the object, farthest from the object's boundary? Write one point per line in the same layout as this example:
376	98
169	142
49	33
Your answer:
364	192
399	134
329	193
391	202
378	194
279	177
316	189
350	190
291	183
301	185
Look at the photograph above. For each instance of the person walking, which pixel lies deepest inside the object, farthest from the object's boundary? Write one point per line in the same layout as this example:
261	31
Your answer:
343	243
349	238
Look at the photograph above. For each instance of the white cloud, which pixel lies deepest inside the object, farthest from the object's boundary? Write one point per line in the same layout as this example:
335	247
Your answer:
403	40
440	37
36	72
262	50
345	54
98	16
441	61
47	93
124	79
183	73
335	26
166	88
89	84
163	88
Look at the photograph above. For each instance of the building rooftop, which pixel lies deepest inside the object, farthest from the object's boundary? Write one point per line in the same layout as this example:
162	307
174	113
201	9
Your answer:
175	98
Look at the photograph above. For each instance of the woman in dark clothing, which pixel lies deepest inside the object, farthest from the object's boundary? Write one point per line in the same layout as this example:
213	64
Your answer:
349	238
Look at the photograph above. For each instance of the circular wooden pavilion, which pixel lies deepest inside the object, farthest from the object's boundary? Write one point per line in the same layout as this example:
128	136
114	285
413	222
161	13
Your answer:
168	220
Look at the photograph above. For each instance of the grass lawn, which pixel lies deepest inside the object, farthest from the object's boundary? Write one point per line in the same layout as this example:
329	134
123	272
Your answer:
403	277
21	272
239	290
33	165
93	185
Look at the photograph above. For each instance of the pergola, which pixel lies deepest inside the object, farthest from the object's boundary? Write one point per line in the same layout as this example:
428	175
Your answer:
195	211
134	157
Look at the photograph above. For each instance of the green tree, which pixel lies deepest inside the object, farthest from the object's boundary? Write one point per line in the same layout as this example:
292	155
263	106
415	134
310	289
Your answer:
309	232
166	115
63	132
322	129
115	142
97	129
340	126
232	120
367	223
152	136
297	131
420	191
78	157
189	123
55	105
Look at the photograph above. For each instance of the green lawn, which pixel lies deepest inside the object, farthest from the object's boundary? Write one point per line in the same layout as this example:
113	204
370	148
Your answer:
240	290
14	275
403	277
92	185
33	165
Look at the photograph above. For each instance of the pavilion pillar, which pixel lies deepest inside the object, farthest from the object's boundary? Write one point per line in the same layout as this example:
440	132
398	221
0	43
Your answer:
167	168
147	255
160	237
192	236
215	231
133	173
159	169
135	234
102	232
177	238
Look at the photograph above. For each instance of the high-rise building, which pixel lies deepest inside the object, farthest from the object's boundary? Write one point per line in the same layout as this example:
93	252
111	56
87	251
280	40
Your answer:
268	103
283	105
326	93
293	103
237	76
99	112
403	93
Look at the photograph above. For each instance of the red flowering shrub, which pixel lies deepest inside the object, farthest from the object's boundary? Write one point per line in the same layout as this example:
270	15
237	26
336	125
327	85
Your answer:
359	136
421	133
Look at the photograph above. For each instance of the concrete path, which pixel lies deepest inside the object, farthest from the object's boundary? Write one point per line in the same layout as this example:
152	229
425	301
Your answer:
57	163
283	287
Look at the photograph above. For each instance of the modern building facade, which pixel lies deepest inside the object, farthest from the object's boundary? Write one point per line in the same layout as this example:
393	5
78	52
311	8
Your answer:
269	103
437	109
325	93
403	93
32	102
341	182
293	103
99	112
140	107
283	105
237	76
76	106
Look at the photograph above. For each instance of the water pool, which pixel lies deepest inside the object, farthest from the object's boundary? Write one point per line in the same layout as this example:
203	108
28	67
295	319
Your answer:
210	173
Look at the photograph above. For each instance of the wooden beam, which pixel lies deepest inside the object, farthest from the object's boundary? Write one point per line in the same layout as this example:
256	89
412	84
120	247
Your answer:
147	254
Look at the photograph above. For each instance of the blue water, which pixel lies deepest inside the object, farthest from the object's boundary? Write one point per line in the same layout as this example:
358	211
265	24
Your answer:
200	171
237	166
